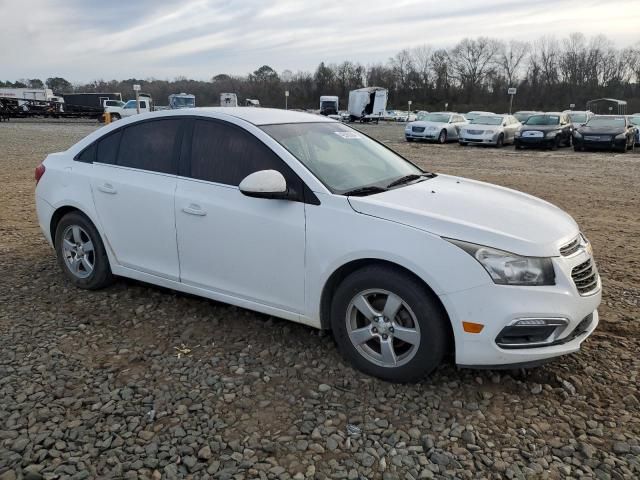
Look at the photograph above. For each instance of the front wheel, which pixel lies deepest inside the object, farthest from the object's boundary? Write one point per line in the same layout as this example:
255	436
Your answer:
81	253
409	139
463	144
387	324
442	138
569	141
500	141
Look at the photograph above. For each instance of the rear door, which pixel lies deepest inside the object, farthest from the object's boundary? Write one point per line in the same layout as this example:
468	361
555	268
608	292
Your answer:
133	186
248	248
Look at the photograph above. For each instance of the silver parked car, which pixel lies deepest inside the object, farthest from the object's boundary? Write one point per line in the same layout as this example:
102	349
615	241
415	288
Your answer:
495	130
437	126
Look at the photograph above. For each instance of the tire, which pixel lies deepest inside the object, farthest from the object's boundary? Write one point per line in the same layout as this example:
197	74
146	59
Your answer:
371	288
556	143
85	267
576	148
115	116
409	139
569	141
519	147
442	138
463	144
500	141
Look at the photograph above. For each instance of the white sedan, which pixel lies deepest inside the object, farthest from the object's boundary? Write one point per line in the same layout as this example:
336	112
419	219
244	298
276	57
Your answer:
497	130
304	218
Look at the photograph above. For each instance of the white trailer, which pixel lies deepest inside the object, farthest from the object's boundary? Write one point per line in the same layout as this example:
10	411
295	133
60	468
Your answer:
37	94
228	100
328	105
367	103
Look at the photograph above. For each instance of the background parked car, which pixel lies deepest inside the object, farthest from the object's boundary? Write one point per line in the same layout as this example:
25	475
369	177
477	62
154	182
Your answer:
578	118
610	132
635	120
547	130
490	130
439	126
524	115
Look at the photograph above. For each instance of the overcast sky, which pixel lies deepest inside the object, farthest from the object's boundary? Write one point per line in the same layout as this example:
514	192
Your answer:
84	40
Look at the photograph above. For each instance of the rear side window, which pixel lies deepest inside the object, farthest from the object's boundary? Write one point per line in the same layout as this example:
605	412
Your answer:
226	154
108	148
150	146
88	155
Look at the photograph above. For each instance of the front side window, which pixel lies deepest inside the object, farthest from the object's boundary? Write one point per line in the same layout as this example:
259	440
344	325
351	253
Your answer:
150	146
340	157
223	153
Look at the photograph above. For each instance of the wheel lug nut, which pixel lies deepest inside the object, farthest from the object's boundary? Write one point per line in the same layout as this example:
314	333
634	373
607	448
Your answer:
391	329
374	330
385	336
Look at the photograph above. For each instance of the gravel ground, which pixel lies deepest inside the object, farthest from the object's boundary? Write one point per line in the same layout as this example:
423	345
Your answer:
140	382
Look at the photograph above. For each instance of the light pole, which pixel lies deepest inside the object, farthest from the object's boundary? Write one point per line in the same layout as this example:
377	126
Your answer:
136	88
409	110
511	92
286	99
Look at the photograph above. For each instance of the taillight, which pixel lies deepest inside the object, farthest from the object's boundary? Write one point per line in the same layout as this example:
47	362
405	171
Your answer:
39	172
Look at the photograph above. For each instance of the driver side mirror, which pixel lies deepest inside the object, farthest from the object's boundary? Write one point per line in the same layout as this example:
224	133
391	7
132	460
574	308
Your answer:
265	184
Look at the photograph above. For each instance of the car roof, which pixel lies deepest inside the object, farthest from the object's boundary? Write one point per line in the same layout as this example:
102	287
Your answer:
256	116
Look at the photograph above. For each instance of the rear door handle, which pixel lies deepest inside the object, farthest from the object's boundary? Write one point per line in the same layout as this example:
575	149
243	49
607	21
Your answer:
107	188
194	209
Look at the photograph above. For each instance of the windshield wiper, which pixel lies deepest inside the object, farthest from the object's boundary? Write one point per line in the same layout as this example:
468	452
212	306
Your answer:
409	178
362	191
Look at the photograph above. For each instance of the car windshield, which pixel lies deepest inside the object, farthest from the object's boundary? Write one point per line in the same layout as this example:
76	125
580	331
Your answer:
578	117
342	158
543	120
486	120
421	116
635	120
436	117
606	122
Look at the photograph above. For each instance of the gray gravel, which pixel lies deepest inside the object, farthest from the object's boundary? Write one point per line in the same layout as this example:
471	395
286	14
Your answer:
140	382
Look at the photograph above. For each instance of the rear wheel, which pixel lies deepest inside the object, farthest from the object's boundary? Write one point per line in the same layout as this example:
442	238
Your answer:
387	325
442	138
81	253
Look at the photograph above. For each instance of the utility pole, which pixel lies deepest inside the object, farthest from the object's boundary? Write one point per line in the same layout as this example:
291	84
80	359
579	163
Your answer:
136	88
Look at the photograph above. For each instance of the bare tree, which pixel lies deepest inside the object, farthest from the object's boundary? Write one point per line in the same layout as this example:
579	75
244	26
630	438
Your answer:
472	61
511	58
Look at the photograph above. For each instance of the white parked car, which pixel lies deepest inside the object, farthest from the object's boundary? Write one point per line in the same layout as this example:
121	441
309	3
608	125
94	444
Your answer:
441	127
301	217
497	130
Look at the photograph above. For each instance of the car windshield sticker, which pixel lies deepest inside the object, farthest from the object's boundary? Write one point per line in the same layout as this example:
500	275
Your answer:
348	135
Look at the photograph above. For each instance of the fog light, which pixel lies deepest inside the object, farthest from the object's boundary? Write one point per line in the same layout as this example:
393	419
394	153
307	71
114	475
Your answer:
531	332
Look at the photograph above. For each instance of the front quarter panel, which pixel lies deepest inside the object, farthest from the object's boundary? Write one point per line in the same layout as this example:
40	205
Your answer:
337	235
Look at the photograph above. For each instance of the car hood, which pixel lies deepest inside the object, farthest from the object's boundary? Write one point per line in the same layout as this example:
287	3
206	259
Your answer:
475	212
423	123
541	128
605	130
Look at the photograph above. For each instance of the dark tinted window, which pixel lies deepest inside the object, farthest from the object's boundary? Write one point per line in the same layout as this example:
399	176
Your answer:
108	148
150	146
226	154
88	155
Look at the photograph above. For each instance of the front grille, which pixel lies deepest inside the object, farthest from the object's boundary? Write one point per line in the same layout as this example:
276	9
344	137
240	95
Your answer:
585	276
570	248
476	132
417	129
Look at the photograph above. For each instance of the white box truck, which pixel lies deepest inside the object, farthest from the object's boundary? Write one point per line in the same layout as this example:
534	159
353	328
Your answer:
328	105
228	100
366	104
39	94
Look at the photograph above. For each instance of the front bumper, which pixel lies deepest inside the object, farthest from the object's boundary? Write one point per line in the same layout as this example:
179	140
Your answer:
604	144
478	139
426	135
533	142
498	306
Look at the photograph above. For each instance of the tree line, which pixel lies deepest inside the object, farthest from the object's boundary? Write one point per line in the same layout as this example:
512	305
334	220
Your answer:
549	74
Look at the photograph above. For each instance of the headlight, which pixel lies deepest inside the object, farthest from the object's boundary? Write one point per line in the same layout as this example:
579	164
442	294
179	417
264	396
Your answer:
506	268
552	133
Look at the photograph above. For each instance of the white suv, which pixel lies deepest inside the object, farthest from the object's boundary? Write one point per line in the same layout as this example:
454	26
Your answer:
301	217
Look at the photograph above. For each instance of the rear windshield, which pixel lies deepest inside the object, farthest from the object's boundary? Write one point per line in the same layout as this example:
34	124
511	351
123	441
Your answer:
543	120
606	122
578	117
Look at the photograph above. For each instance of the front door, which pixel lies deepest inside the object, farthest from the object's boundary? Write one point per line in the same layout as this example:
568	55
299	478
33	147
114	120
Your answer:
249	248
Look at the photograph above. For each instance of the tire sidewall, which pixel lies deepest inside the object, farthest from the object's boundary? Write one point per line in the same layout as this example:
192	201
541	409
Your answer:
101	274
433	338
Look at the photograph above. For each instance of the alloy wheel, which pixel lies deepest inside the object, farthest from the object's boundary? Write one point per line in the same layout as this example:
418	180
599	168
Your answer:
78	251
383	328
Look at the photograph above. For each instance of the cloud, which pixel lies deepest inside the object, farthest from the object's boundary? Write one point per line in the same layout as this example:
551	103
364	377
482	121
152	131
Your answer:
89	39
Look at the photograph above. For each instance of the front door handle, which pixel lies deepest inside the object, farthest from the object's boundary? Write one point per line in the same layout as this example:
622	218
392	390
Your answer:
107	188
194	209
